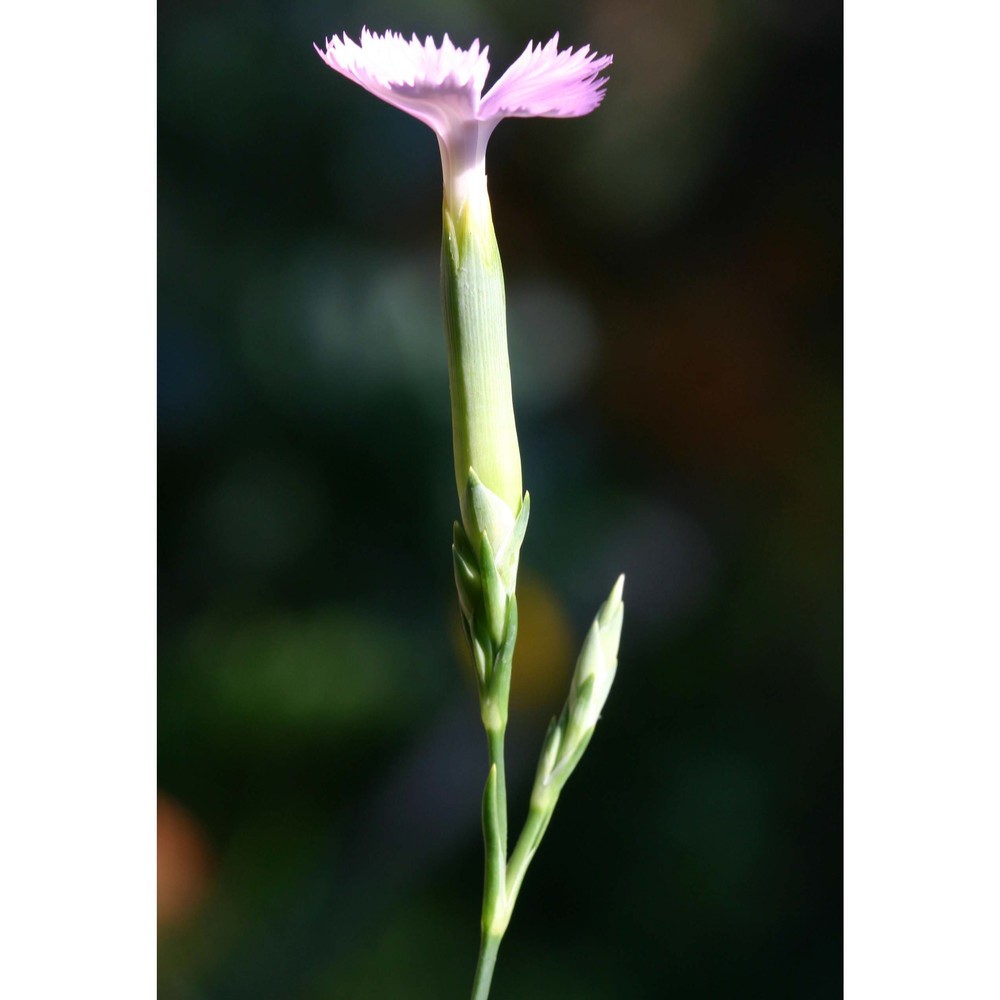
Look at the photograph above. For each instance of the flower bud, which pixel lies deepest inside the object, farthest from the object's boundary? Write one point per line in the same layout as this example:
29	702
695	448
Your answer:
595	669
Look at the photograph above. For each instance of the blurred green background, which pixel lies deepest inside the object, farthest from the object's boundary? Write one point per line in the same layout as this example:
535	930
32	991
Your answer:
673	269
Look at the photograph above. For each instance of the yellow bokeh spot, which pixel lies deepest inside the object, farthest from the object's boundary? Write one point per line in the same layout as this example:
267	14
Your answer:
543	657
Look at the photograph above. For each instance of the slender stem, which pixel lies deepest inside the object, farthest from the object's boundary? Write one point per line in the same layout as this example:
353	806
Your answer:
488	948
494	738
495	882
531	836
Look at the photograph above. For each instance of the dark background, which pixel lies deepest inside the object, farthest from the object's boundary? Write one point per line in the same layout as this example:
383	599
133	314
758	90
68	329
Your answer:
673	267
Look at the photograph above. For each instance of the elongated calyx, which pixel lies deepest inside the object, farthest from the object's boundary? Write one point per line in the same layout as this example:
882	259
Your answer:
442	86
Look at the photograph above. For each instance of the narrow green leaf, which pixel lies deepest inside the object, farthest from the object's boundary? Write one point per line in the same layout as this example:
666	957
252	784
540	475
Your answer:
507	558
500	680
494	592
495	875
467	582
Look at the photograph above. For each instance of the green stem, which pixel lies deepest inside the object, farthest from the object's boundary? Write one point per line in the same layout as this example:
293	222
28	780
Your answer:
494	739
531	836
495	881
488	948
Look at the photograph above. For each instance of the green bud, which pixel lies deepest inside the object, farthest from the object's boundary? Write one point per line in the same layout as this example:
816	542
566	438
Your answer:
595	668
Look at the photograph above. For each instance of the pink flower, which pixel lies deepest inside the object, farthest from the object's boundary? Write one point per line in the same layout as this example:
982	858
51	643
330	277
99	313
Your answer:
443	87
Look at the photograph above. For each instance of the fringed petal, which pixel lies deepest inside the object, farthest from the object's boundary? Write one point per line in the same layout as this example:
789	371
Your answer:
439	86
547	83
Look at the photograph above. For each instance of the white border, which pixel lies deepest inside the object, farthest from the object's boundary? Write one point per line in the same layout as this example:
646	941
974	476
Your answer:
922	501
77	531
77	750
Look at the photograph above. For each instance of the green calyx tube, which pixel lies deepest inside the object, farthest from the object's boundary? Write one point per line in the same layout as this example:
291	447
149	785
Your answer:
482	407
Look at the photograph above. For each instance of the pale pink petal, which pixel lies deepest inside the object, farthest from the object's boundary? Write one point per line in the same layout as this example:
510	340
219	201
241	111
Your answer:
443	88
440	86
547	83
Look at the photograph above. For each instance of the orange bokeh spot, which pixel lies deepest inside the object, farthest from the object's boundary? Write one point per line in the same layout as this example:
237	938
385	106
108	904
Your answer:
182	862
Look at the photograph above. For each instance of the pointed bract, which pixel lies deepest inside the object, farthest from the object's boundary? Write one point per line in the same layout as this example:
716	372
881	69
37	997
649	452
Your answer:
486	513
494	595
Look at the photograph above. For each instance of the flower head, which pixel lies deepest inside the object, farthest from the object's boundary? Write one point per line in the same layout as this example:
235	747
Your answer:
443	88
